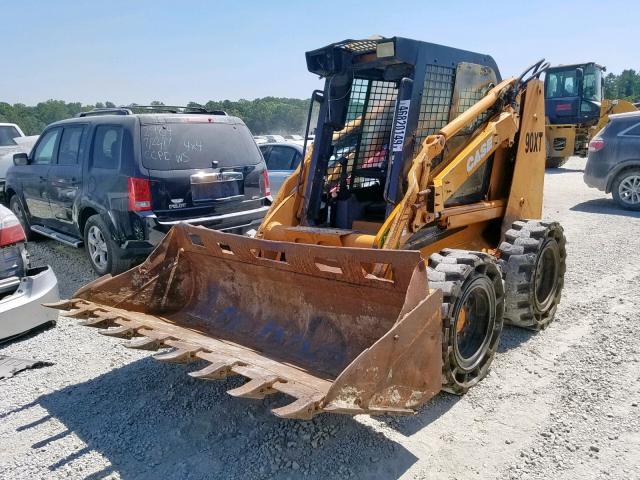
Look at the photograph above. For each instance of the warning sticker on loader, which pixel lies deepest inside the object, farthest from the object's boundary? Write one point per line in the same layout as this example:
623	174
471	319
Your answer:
400	127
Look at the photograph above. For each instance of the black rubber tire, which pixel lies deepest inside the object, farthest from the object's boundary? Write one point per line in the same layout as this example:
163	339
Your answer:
15	205
555	162
115	263
533	262
457	273
615	186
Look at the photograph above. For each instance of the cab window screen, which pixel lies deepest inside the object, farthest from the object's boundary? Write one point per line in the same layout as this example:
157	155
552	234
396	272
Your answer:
472	83
183	146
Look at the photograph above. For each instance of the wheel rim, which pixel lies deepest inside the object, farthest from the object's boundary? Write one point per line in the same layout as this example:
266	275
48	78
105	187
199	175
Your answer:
546	275
97	247
474	322
629	190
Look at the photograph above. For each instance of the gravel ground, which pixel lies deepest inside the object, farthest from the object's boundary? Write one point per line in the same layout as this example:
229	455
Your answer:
562	403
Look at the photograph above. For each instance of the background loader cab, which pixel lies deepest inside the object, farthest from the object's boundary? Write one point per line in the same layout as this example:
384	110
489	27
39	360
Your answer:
573	100
575	109
573	94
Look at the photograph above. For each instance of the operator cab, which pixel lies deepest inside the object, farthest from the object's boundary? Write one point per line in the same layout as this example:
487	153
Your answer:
382	98
573	93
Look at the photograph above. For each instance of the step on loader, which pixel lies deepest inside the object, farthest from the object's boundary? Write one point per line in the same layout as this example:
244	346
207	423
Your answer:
389	261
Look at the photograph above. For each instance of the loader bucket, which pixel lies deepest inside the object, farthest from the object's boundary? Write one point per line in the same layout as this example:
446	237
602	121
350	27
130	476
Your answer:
304	320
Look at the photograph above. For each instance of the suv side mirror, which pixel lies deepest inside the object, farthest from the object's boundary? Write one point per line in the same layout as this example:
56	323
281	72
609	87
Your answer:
20	159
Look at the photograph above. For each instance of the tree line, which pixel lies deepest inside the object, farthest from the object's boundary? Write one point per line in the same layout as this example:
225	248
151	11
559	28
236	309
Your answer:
262	115
625	86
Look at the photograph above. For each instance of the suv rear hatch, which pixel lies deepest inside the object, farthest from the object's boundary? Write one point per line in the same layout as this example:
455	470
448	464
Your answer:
201	166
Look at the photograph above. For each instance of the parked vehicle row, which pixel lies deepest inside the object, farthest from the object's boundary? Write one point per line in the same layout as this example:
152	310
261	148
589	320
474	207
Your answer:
116	181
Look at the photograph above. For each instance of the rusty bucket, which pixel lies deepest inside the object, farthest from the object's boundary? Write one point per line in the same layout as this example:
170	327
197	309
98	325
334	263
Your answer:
308	321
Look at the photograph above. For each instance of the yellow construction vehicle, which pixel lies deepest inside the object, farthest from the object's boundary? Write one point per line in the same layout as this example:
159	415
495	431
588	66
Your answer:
576	110
388	262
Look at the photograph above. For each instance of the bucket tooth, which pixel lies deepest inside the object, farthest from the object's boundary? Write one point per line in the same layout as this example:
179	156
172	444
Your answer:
99	322
82	312
178	355
256	388
301	409
62	304
146	343
124	331
217	370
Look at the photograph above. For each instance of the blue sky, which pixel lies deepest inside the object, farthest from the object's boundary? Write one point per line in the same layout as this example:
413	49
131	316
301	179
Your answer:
178	51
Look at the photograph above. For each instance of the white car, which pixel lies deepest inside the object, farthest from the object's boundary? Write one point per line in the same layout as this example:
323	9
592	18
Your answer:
12	140
282	158
23	289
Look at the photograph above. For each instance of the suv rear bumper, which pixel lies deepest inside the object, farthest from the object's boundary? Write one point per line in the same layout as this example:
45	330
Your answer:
595	182
236	222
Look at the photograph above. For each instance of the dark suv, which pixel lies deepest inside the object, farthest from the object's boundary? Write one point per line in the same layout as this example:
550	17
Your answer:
613	164
117	181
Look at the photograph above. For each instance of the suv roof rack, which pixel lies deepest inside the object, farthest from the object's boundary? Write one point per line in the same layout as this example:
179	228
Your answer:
150	108
178	109
105	111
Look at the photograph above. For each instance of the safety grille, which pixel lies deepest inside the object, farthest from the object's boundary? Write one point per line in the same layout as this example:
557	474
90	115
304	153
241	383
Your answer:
358	46
436	102
469	97
364	143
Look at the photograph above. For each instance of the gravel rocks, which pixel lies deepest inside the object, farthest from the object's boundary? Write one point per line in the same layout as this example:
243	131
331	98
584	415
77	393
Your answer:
561	403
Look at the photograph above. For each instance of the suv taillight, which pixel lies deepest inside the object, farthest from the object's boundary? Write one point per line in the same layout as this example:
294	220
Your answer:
265	182
139	194
10	230
596	145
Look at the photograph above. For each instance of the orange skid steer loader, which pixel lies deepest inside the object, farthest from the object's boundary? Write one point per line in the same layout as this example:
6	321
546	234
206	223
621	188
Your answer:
389	261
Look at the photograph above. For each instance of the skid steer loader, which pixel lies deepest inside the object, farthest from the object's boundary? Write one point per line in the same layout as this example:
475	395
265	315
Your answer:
389	261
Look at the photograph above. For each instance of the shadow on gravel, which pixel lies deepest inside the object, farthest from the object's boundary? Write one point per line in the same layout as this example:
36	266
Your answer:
152	421
557	171
513	337
606	206
431	411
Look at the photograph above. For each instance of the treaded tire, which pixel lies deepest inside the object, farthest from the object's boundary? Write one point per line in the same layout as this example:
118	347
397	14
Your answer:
115	264
615	188
15	205
533	262
455	272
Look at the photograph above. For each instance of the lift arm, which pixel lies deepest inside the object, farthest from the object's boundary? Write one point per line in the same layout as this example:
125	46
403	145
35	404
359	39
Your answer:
411	213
